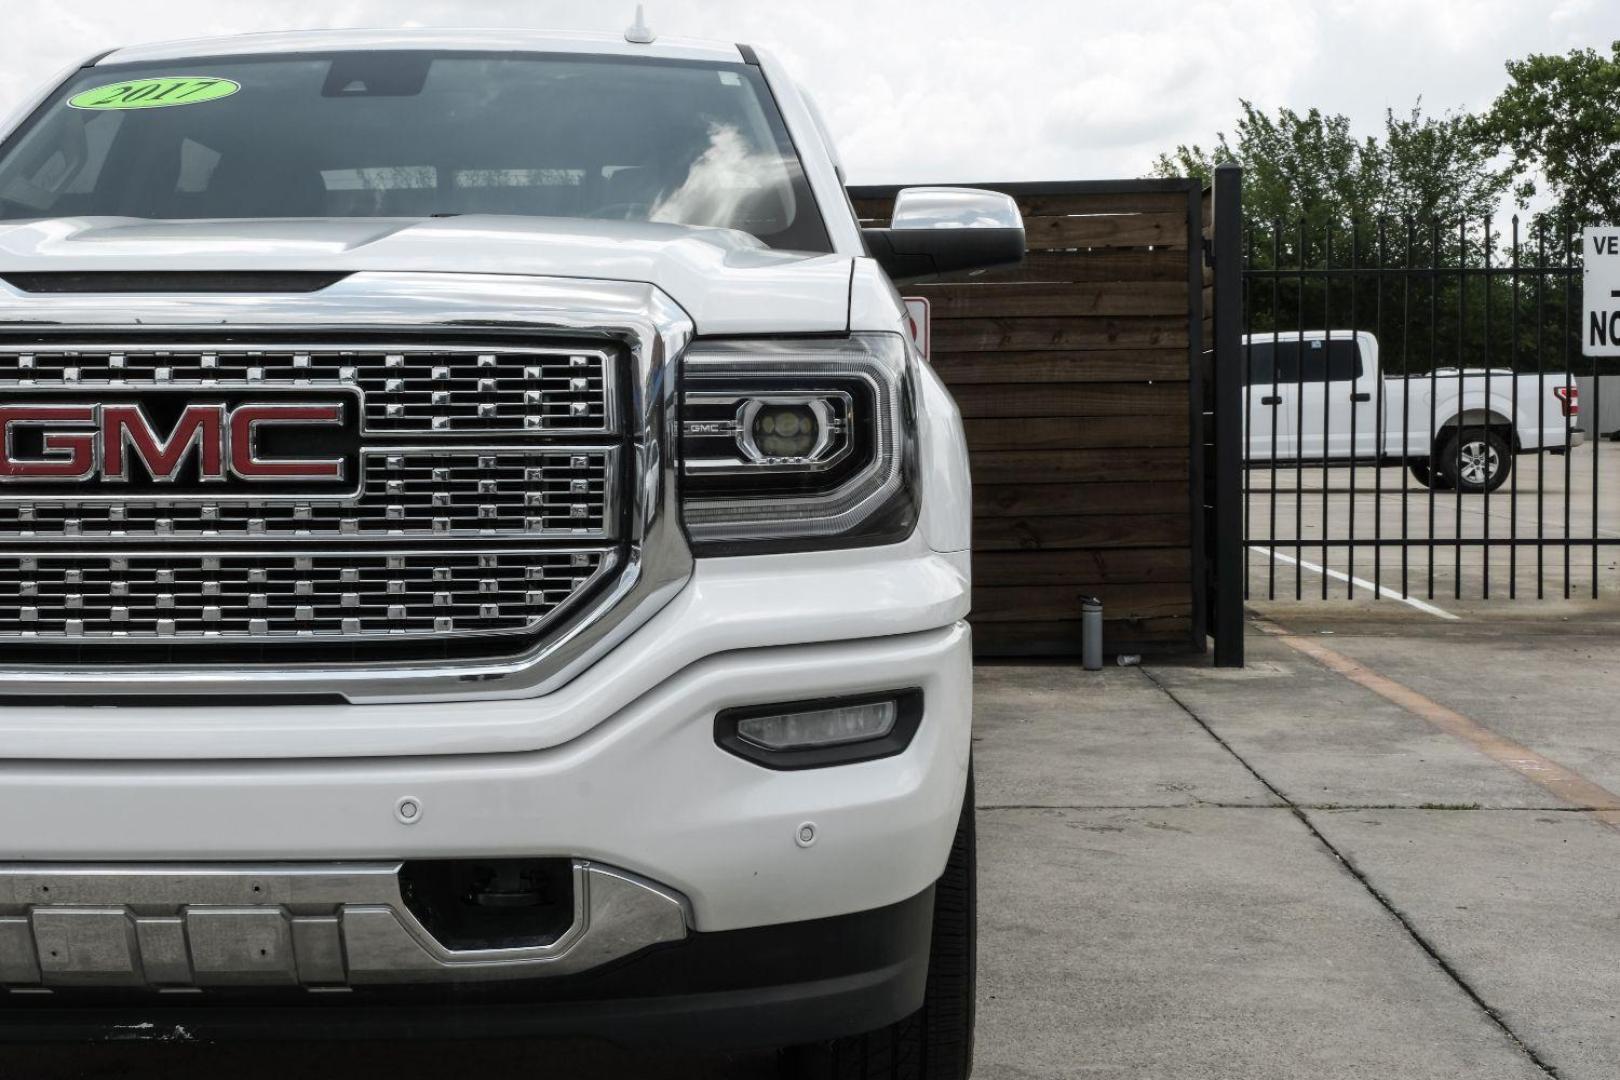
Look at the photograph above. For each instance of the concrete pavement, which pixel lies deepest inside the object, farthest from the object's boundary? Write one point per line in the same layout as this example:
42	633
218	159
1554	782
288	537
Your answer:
1547	497
1522	905
1205	943
1506	887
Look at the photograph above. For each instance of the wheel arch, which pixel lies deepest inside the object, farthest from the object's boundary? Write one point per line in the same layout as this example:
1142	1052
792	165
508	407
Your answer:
1491	418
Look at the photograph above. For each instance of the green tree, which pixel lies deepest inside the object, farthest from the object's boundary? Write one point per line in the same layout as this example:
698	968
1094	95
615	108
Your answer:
1559	118
1308	167
1421	192
1439	168
1295	166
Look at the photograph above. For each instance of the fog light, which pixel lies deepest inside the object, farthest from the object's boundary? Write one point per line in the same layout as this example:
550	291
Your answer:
813	734
837	726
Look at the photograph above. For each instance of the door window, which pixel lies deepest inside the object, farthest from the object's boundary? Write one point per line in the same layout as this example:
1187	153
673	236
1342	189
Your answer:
1332	361
1278	362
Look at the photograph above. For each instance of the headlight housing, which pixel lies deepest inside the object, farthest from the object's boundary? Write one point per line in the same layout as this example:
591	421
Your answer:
790	444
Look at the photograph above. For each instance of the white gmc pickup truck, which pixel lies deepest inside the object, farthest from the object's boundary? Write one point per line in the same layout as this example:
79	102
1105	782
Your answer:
478	556
1321	396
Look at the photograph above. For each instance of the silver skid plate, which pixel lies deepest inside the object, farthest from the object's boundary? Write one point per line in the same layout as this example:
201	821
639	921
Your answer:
317	926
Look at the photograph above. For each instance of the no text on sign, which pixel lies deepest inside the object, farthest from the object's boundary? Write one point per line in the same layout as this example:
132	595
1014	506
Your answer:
1600	321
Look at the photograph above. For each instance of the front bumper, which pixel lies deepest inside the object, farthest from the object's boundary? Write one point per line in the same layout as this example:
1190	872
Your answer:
647	791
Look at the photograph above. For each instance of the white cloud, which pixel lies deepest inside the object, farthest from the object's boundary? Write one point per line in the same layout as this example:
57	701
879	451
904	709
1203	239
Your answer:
966	89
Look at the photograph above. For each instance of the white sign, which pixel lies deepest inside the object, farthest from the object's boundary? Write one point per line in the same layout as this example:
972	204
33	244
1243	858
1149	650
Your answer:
920	323
1600	322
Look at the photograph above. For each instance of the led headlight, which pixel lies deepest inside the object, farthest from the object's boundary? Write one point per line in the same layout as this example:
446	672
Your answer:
796	430
796	443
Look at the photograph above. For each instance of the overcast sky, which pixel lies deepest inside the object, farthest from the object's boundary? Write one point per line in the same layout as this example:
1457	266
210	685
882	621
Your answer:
940	90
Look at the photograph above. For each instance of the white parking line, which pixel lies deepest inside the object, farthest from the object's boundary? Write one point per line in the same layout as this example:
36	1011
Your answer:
1339	575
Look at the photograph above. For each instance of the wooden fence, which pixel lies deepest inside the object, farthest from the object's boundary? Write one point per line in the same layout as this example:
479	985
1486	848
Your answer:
1075	372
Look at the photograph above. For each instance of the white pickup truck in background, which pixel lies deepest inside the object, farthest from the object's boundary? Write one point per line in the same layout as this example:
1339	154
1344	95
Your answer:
1320	396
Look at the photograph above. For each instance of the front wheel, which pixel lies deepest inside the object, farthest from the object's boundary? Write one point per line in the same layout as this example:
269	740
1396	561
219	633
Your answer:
936	1041
1477	460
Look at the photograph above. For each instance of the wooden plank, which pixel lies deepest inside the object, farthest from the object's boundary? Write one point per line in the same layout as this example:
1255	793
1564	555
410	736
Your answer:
1101	264
1058	500
1039	335
1041	603
1075	433
1123	202
1025	400
1055	298
1152	637
1078	533
1066	466
1106	231
1091	567
1077	365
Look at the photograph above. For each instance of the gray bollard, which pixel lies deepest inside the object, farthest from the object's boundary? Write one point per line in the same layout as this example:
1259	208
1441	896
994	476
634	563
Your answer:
1091	633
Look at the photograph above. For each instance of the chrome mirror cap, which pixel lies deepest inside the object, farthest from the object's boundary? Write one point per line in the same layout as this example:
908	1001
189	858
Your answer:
954	208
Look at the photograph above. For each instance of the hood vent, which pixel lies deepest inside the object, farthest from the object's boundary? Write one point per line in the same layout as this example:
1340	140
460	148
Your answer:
182	281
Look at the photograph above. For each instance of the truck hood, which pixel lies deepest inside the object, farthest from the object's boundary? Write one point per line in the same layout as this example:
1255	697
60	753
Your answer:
725	280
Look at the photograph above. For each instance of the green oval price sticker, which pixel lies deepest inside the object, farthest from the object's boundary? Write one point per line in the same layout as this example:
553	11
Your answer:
155	93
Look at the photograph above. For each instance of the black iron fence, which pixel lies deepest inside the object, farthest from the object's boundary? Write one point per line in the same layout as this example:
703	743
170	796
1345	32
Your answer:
1418	420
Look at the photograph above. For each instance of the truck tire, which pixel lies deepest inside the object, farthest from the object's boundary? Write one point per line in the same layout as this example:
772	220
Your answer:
936	1041
1485	456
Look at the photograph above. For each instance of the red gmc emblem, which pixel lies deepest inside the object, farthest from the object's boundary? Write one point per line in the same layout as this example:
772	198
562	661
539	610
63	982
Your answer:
175	443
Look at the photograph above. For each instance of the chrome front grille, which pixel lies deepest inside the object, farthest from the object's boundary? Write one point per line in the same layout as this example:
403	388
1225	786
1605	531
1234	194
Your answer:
175	597
468	390
487	505
560	493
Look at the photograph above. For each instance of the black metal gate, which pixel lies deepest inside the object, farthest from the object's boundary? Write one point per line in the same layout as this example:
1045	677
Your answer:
1417	418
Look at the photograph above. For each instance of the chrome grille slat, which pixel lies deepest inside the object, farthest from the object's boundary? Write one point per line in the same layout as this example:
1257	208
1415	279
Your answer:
541	494
532	390
108	597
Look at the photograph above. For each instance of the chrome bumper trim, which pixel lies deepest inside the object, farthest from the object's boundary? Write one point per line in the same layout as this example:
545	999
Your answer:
320	927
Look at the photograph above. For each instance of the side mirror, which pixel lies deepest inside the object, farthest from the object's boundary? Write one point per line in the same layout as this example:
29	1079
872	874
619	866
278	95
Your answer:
943	230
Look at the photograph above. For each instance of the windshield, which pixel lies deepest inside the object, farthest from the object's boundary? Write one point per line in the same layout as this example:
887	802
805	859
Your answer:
416	134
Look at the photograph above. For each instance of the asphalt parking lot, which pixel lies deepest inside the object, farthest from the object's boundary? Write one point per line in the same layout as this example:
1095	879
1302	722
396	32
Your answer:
1300	870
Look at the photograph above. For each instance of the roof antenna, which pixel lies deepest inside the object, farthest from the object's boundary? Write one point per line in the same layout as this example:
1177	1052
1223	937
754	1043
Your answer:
640	33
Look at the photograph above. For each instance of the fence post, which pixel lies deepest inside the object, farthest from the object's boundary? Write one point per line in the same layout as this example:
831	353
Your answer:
1226	496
